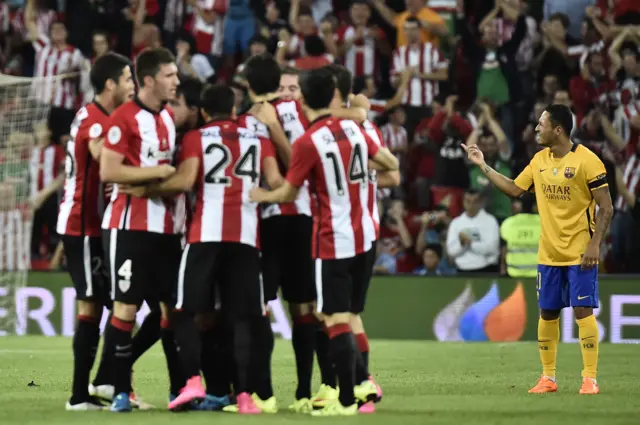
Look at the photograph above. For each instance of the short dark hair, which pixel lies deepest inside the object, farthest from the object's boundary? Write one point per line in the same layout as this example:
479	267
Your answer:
318	87
289	70
560	116
191	89
259	39
314	45
343	78
412	20
435	247
101	32
562	17
218	100
262	73
107	67
188	38
149	61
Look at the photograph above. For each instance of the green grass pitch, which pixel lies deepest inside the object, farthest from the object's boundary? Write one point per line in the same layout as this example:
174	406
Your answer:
424	383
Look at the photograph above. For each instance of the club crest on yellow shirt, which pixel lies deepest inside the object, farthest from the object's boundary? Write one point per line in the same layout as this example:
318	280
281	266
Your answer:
569	172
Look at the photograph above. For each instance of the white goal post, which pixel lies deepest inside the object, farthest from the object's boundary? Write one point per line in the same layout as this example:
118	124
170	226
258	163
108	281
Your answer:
21	113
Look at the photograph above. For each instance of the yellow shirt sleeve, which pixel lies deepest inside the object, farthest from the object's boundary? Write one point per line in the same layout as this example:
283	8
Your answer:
594	171
525	179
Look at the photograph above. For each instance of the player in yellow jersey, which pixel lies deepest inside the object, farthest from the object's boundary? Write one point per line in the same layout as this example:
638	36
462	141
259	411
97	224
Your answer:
569	181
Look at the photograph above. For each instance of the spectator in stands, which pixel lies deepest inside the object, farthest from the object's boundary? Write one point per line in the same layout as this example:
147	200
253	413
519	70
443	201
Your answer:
398	230
360	45
430	67
394	134
431	25
624	54
56	58
302	23
497	150
433	263
521	233
145	32
473	238
239	29
272	24
208	27
494	68
99	43
592	86
316	55
433	228
190	62
46	179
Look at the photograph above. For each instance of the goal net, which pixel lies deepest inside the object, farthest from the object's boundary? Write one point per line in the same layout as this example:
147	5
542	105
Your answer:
21	116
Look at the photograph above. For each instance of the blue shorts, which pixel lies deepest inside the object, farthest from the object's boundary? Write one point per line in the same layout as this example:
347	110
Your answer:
237	31
567	286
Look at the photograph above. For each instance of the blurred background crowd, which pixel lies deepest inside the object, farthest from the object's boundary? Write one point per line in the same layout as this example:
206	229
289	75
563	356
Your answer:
438	73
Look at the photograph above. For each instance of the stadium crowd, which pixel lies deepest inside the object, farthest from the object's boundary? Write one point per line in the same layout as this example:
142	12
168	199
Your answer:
439	73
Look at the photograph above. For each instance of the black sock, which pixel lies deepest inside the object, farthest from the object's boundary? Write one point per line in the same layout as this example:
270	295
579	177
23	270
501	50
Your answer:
146	336
242	354
303	339
118	339
361	369
85	346
104	375
343	352
362	342
261	357
216	349
177	377
188	343
325	364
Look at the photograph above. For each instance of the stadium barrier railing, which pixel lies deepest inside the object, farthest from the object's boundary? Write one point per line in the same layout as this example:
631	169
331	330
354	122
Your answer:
479	308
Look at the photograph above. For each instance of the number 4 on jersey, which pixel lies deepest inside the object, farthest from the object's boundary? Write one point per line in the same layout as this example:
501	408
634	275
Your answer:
246	166
357	172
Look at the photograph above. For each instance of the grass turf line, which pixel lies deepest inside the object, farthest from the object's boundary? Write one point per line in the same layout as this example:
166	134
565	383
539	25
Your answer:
424	383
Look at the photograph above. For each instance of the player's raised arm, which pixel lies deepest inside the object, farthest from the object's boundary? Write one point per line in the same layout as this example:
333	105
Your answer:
267	114
504	183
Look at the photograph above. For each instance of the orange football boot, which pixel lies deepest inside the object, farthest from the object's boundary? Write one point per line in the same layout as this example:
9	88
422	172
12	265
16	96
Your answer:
589	386
544	385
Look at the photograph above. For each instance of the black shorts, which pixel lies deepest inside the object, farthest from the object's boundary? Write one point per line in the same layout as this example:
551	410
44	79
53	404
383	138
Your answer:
342	284
85	262
143	266
220	273
285	242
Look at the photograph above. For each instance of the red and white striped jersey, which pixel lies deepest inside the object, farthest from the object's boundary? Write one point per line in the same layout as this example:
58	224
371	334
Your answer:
360	59
294	124
630	178
333	154
209	36
146	138
14	239
375	134
230	163
46	163
52	62
44	19
624	114
394	137
427	59
79	213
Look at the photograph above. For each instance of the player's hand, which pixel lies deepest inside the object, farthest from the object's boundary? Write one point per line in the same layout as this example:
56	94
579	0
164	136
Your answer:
37	201
591	256
265	112
257	194
474	154
165	171
135	191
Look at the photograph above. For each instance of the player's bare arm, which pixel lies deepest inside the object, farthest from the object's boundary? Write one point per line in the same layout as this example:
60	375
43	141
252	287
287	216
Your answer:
356	114
271	173
605	212
505	184
388	179
112	170
386	160
95	148
285	193
180	182
267	114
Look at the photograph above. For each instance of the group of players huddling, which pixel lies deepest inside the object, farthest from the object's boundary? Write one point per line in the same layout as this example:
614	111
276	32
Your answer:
200	217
